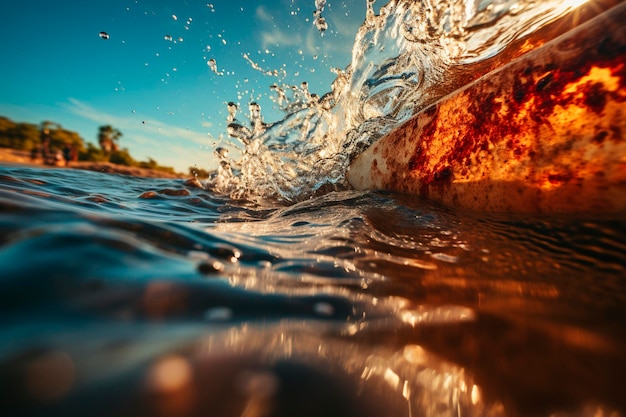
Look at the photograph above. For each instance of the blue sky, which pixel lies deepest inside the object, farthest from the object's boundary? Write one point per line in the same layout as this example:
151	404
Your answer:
150	78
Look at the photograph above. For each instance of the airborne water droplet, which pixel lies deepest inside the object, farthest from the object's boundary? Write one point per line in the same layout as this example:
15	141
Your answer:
213	65
103	35
320	24
221	153
320	4
168	38
232	112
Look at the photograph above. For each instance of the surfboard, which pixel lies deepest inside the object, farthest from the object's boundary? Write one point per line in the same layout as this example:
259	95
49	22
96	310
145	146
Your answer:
543	133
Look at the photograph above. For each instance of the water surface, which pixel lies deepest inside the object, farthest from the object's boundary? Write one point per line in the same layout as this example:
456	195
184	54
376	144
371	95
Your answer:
131	296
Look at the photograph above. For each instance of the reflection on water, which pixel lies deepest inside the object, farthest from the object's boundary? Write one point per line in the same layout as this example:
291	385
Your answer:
123	296
348	304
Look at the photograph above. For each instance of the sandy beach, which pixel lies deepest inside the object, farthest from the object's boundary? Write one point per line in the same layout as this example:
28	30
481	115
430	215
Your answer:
16	156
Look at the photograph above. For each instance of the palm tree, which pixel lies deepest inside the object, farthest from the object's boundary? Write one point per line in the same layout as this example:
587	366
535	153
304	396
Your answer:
108	139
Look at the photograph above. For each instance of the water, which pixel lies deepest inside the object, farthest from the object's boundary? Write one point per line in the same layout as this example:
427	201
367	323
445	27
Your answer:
275	290
130	296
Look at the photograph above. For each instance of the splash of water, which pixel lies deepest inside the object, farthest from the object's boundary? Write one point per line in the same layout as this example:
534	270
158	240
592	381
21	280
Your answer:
402	61
318	20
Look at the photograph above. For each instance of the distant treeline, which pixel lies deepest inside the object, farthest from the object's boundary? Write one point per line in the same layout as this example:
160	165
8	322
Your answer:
49	138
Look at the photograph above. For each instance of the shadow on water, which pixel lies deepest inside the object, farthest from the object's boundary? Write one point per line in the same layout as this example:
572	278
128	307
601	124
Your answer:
120	298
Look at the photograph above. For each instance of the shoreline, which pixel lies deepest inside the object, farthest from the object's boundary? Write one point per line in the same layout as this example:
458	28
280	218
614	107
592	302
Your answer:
16	156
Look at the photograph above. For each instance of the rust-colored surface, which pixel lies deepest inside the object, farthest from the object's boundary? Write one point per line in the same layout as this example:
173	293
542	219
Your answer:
543	133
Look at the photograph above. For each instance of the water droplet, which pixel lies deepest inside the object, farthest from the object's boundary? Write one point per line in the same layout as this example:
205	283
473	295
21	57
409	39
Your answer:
103	35
168	38
238	131
319	21
255	111
213	65
232	112
174	17
320	24
221	153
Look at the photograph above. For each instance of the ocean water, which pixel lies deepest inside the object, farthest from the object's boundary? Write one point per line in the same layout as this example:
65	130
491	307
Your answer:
125	296
272	289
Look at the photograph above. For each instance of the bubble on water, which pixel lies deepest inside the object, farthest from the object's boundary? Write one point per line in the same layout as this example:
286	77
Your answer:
324	309
103	35
218	314
168	38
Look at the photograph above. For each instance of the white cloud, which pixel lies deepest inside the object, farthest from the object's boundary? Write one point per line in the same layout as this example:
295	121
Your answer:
146	126
168	144
309	38
271	35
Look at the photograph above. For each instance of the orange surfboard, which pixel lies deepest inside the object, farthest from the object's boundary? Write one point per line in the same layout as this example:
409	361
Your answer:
543	133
